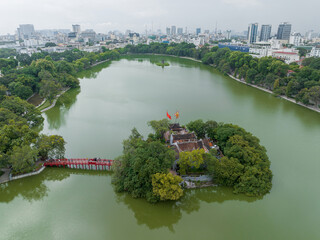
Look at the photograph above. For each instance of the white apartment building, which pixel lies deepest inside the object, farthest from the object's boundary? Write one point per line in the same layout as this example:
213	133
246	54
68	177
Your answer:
315	52
288	57
295	39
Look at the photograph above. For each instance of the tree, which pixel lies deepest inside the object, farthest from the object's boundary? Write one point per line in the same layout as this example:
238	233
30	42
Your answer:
23	109
210	127
227	171
50	44
193	159
49	89
44	65
276	84
314	95
160	127
20	90
3	91
6	116
140	160
302	52
22	158
166	186
246	166
52	146
14	134
197	126
251	74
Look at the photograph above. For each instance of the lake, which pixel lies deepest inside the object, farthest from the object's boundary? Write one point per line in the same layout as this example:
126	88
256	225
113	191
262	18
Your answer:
118	96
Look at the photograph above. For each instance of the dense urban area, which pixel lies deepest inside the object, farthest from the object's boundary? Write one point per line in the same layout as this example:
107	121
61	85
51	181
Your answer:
38	66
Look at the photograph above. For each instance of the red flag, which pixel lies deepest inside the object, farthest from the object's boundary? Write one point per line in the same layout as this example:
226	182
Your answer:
177	114
168	115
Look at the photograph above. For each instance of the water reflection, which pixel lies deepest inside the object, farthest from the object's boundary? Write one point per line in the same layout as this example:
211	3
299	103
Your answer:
169	213
56	117
35	188
93	72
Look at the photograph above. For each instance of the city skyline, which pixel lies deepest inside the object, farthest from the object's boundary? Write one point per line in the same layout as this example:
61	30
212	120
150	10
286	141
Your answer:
140	15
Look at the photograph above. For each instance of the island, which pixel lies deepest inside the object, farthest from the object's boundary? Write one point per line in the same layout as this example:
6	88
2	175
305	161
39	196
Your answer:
200	154
162	64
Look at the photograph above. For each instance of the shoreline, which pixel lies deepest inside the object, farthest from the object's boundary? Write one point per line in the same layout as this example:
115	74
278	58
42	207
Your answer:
269	91
59	95
54	101
238	80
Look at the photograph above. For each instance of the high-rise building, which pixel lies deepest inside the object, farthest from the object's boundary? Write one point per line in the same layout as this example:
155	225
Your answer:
252	33
26	31
198	31
173	30
76	28
168	31
228	34
284	31
265	33
180	31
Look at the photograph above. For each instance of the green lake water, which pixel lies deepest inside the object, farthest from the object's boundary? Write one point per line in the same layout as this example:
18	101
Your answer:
114	98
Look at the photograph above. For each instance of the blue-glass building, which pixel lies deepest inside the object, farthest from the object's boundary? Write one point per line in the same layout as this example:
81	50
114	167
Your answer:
234	47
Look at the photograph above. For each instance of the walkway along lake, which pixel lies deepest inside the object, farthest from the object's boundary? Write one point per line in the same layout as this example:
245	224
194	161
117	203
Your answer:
114	98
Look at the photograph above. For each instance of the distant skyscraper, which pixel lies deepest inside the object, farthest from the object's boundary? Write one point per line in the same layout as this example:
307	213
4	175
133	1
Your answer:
25	31
284	31
180	31
76	28
252	32
265	33
168	31
173	30
228	34
198	31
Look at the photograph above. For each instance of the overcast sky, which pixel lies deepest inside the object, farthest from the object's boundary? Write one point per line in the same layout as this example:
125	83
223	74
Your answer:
106	15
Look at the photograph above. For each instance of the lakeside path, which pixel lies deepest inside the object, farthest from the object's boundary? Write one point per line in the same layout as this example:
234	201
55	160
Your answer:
5	176
249	84
54	101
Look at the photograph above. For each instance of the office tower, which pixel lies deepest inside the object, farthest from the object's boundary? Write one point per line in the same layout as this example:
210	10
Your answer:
265	33
284	31
76	28
26	31
198	31
228	34
180	31
173	30
168	31
252	33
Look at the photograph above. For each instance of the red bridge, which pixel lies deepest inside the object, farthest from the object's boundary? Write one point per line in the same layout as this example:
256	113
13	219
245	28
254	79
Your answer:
81	163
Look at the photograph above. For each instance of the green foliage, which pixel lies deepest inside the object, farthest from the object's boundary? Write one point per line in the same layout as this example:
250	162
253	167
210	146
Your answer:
22	158
49	147
166	186
246	166
3	92
23	109
7	52
49	89
228	171
14	134
197	126
140	160
50	44
193	159
159	127
202	129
